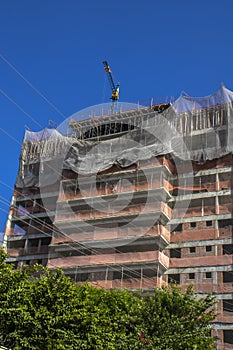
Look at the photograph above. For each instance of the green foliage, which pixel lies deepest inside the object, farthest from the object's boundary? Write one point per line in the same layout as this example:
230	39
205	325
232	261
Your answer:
40	309
178	321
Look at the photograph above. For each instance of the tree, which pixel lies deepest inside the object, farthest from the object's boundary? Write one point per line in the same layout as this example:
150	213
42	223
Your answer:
41	309
173	320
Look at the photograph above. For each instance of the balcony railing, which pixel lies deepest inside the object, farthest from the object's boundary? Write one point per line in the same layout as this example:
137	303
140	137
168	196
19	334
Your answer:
211	260
111	259
112	233
27	251
134	209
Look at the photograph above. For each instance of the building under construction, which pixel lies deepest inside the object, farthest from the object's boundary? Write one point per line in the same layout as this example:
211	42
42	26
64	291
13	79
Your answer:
127	196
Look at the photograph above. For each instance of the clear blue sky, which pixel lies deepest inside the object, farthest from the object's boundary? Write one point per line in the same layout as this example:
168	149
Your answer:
154	47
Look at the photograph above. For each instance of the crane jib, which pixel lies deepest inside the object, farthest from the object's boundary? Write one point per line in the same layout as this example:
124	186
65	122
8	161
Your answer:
114	87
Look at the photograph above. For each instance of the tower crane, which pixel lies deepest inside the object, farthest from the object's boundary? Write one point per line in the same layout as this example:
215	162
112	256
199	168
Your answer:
115	87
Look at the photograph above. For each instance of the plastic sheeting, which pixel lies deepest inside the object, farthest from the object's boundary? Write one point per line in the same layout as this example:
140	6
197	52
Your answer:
192	129
187	103
44	134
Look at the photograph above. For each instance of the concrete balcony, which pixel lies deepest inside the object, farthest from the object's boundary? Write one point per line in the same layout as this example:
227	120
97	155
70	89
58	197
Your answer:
135	258
128	211
209	287
131	283
13	252
19	218
201	261
160	188
120	236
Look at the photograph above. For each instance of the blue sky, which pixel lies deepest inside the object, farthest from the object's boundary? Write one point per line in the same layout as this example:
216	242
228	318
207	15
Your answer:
155	48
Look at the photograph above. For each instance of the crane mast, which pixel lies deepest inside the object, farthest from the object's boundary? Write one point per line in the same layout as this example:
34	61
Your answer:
114	87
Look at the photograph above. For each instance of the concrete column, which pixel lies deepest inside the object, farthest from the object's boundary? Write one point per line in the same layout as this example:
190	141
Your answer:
217	181
216	198
9	224
39	245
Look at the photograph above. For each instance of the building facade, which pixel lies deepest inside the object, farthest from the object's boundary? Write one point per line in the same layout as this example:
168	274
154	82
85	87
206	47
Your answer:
133	198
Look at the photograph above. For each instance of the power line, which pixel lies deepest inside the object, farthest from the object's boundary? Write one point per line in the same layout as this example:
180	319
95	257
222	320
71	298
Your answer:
18	142
37	220
10	136
74	248
20	108
31	85
108	246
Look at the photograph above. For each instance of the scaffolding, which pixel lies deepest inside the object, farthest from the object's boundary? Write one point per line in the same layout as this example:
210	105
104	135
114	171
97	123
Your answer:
81	187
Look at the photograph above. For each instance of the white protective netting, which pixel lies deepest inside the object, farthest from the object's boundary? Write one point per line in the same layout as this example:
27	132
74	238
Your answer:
195	129
187	103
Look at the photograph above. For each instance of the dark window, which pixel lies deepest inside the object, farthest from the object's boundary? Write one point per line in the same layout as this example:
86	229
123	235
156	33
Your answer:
45	241
208	248
174	278
191	276
149	273
131	274
176	228
33	242
39	261
208	275
228	336
192	249
225	223
175	253
77	252
208	223
137	248
16	244
227	249
193	224
82	277
227	277
228	305
117	275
